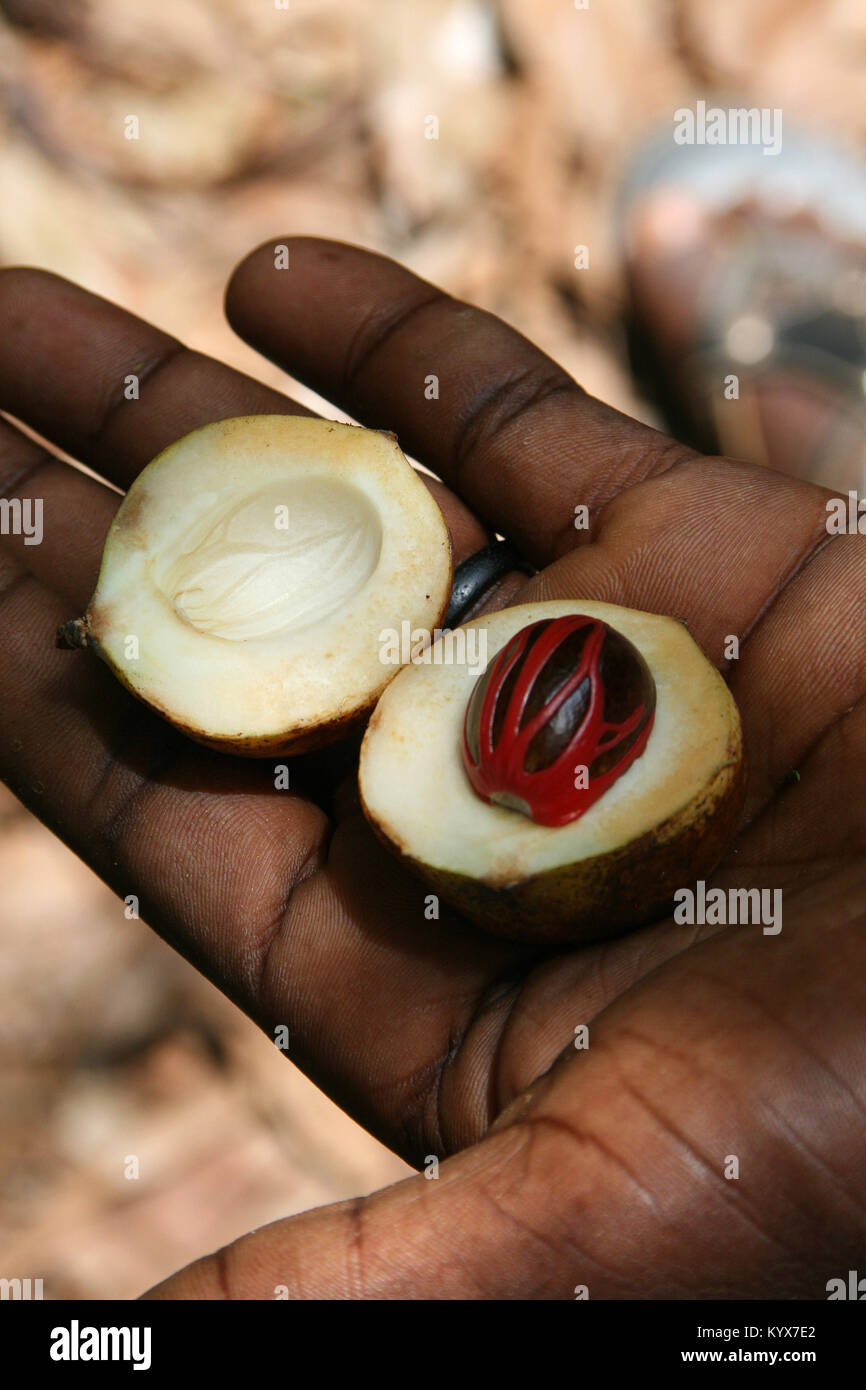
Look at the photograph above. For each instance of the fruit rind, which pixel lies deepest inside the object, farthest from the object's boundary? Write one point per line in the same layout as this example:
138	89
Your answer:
601	897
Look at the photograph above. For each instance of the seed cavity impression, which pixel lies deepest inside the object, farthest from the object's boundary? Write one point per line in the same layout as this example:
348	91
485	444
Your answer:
273	560
559	715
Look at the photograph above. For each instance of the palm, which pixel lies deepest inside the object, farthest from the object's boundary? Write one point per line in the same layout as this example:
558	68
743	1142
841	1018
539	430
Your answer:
702	1045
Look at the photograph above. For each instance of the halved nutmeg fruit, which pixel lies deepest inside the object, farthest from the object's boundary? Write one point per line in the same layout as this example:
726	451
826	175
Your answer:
248	575
566	790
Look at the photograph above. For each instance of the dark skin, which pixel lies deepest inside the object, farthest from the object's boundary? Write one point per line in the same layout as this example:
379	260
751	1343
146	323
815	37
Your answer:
601	1167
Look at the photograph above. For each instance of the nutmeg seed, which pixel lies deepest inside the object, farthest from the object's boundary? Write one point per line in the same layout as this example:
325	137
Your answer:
559	715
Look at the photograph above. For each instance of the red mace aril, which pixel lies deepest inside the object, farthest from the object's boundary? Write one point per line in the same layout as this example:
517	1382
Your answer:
560	713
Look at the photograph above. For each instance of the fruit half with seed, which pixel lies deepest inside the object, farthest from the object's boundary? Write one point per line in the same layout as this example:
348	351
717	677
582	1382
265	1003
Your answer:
250	572
565	791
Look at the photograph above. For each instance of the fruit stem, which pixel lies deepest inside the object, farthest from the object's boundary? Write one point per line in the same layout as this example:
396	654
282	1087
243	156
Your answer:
74	634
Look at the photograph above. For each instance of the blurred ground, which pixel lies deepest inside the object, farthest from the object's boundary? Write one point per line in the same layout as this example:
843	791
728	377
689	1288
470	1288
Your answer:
257	121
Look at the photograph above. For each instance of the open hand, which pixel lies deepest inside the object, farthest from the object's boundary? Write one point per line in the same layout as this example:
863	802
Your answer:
603	1167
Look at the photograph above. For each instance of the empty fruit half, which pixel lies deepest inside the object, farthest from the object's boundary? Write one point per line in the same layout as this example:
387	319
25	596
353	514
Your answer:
565	792
250	571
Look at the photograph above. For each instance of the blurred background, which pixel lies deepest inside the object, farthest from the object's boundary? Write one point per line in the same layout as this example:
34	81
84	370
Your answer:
258	121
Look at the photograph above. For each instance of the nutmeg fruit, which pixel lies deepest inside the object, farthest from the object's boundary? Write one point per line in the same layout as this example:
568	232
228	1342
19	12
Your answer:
250	571
469	776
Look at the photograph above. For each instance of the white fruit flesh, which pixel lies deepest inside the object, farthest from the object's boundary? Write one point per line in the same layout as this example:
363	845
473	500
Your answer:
415	790
255	563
